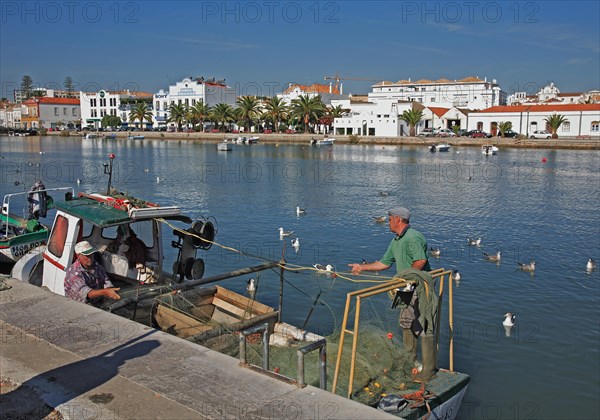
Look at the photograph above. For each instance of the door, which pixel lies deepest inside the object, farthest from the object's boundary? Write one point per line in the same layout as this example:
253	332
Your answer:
59	253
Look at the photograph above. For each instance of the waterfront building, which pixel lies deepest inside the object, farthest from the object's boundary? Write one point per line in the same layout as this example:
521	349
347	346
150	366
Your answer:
96	105
328	92
189	92
40	92
583	119
50	113
10	115
468	93
551	94
366	118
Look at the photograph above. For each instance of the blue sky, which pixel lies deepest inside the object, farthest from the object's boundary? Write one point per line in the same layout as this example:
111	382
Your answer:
261	46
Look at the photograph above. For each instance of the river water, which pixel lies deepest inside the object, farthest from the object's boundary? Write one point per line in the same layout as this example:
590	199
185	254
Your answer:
537	205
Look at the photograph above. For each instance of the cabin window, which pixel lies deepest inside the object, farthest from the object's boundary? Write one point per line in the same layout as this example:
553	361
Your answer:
56	243
595	126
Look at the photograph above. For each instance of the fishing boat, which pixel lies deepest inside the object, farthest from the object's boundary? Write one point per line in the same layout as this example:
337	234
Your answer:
247	140
322	142
136	137
489	149
19	234
91	136
441	147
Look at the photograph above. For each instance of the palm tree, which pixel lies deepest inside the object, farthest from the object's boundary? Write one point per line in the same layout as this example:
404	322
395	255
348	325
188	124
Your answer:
248	110
140	112
308	109
504	126
276	110
177	114
222	113
198	113
555	121
412	118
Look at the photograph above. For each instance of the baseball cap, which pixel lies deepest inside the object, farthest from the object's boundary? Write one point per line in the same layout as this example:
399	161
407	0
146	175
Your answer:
85	248
402	212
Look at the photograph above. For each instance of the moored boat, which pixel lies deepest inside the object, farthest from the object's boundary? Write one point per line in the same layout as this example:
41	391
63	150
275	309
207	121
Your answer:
224	147
441	147
489	149
136	137
323	142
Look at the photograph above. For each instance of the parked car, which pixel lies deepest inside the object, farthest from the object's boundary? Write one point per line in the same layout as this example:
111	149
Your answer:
445	132
509	133
478	133
426	132
461	132
543	134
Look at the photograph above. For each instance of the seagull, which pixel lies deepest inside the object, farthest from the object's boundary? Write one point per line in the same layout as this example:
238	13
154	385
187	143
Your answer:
364	261
456	275
435	252
527	267
283	233
78	181
509	320
493	258
591	264
321	267
146	170
474	242
383	193
379	219
158	179
296	244
251	287
300	211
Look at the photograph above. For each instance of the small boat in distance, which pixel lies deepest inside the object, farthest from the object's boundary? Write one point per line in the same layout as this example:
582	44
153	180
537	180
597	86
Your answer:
136	137
442	147
224	147
324	142
489	149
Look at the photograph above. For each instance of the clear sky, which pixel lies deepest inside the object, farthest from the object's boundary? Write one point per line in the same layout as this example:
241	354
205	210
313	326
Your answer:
261	46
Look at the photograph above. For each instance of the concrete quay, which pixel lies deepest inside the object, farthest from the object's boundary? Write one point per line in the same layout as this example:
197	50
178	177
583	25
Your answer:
592	143
69	360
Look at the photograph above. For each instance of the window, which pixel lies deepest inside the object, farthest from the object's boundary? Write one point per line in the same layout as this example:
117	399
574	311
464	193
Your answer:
65	112
433	99
102	112
113	112
595	126
56	243
566	126
93	103
74	111
56	111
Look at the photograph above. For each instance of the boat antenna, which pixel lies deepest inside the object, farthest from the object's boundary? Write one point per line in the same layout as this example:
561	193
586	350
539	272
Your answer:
108	171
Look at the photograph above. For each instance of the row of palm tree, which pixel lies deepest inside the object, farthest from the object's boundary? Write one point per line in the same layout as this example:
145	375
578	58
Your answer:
305	111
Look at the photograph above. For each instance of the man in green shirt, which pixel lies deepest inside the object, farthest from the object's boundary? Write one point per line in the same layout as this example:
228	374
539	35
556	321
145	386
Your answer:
407	250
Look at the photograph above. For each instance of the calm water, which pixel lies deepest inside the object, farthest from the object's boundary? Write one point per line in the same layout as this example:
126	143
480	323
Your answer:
548	368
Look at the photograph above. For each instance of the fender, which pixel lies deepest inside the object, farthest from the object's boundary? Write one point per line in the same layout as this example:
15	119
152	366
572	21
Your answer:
25	267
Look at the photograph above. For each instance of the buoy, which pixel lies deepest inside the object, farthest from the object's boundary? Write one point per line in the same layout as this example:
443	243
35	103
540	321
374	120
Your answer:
390	335
544	160
276	370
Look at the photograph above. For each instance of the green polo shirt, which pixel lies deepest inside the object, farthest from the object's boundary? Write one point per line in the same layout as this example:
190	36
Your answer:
406	248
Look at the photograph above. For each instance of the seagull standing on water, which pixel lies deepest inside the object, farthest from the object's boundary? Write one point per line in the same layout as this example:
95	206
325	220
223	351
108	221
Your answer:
379	219
591	264
509	320
251	287
436	252
527	267
296	244
283	233
456	275
321	267
493	258
299	211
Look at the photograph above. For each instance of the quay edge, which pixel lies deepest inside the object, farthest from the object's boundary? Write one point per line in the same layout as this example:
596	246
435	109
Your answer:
560	143
81	360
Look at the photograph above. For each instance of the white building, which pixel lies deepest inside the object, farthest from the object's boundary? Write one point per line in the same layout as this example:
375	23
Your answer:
328	92
551	94
583	119
10	115
366	118
468	93
95	105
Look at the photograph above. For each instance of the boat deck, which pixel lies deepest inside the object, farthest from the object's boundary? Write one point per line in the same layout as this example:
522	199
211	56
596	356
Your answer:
132	371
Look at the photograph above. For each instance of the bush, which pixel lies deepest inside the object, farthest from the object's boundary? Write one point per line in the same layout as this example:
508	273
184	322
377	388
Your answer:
353	138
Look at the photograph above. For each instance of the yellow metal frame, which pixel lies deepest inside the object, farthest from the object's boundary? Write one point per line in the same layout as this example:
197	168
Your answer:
384	288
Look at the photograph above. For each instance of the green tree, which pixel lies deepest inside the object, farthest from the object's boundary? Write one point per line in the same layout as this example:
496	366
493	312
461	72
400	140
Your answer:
222	114
198	113
140	112
27	86
308	110
69	86
178	114
555	121
504	126
248	110
111	121
412	117
275	110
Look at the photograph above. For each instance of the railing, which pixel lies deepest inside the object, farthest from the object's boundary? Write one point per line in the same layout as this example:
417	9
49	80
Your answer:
300	353
245	333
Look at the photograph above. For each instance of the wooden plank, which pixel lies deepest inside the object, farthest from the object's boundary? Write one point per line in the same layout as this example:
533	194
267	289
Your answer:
183	325
241	313
242	301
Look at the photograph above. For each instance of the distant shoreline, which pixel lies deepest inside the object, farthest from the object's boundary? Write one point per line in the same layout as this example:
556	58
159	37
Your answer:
560	143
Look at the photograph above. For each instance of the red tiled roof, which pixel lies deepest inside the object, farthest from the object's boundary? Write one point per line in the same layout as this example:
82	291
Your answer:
62	101
438	110
543	108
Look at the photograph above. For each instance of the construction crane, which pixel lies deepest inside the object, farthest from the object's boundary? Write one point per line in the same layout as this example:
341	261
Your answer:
337	79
